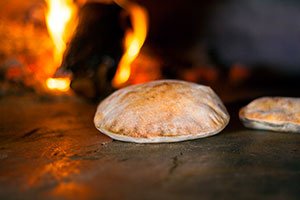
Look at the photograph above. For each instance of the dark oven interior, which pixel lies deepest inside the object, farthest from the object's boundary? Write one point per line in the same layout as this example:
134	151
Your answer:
246	45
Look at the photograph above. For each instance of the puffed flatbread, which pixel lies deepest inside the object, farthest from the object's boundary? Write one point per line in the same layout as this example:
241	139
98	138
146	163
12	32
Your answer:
161	111
272	113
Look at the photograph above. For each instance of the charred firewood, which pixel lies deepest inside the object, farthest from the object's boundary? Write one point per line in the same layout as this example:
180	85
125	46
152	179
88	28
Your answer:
95	49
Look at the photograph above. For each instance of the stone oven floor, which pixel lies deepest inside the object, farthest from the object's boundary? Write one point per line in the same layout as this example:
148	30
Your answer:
49	149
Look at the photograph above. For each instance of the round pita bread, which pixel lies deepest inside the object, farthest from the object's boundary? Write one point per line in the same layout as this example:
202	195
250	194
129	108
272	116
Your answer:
161	111
272	113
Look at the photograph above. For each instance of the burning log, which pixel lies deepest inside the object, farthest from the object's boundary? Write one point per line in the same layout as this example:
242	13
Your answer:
95	49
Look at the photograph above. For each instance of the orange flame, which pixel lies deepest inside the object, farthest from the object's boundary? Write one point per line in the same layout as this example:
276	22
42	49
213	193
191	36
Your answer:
60	23
61	84
134	39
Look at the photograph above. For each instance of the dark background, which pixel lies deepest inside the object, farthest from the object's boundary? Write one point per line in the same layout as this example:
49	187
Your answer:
263	34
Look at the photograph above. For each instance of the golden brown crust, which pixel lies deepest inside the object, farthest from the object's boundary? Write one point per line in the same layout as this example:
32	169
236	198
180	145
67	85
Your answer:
162	109
276	109
279	113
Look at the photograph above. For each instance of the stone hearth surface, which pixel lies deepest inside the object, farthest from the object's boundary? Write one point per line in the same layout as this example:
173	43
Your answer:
49	149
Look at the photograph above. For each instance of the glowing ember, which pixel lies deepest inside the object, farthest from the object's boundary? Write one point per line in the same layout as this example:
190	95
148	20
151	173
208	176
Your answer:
134	39
60	20
61	84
